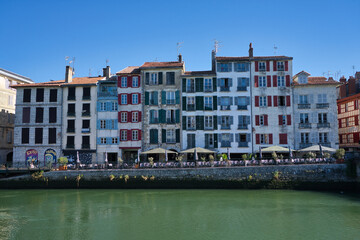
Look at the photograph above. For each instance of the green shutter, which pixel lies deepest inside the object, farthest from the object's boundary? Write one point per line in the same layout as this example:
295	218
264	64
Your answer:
160	77
177	135
199	122
163	97
215	122
184	84
177	97
199	84
177	115
156	102
162	116
214	84
151	135
156	136
184	122
184	103
214	102
146	98
199	102
163	135
215	140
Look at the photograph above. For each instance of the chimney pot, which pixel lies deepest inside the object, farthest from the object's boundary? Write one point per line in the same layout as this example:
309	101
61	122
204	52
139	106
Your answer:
180	58
251	51
68	74
106	72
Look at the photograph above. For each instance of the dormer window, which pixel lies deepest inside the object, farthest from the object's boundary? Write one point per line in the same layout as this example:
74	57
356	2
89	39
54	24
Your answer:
262	66
280	66
303	79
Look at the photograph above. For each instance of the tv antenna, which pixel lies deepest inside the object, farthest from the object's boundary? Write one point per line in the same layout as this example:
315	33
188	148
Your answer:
178	46
66	60
353	67
275	48
107	62
216	45
328	74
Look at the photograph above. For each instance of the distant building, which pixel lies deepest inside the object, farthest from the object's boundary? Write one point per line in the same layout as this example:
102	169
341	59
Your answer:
7	112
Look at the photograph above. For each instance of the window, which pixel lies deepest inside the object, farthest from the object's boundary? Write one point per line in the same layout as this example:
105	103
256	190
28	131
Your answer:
208	122
209	140
86	93
70	126
170	78
225	140
102	124
135	117
86	125
153	98
85	142
224	84
71	93
225	103
243	140
281	81
135	135
153	79
262	81
208	85
190	104
281	101
322	99
154	116
208	103
52	114
25	135
123	99
242	103
262	101
190	123
322	117
114	140
86	109
283	117
9	136
135	98
52	136
280	66
71	109
350	105
191	140
53	95
38	135
304	118
242	84
262	120
11	100
304	137
190	85
135	82
264	138
303	99
170	97
39	95
170	136
26	115
114	106
303	79
170	116
39	115
103	140
323	137
70	142
103	106
224	67
262	66
241	67
244	121
123	82
350	138
225	122
27	95
343	122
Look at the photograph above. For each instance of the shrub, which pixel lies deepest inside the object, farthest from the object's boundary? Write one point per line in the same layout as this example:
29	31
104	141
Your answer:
340	153
274	155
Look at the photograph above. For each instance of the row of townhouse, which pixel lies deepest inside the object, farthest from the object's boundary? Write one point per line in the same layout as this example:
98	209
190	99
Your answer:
240	105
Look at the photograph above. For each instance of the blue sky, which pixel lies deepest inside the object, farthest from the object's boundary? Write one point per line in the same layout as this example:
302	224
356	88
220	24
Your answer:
36	36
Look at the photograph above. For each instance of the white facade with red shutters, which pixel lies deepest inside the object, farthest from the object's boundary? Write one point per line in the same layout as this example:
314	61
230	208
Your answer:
272	101
129	113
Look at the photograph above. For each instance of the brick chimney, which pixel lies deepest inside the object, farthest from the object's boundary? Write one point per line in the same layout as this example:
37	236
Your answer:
357	75
343	79
106	72
68	74
213	59
351	85
251	51
180	58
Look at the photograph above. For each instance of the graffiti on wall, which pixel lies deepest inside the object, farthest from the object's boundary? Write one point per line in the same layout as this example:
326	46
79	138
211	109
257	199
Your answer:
50	157
31	157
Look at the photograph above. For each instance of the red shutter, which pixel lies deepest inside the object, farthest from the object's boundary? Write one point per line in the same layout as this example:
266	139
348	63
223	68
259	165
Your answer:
270	138
139	116
288	119
257	138
339	109
118	81
119	116
267	66
287	80
139	98
283	138
356	120
280	120
265	120
256	66
356	137
274	65
129	135
355	105
129	100
274	81
268	81
257	120
275	101
286	66
256	101
139	134
256	81
129	81
339	120
129	117
139	81
340	138
288	101
269	101
119	99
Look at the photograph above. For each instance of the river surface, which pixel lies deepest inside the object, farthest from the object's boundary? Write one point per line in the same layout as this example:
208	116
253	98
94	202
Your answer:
178	214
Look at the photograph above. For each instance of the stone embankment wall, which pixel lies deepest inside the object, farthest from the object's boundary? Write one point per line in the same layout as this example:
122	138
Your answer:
322	176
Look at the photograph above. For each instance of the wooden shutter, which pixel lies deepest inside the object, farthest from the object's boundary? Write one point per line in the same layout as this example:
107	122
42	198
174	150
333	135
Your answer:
267	66
286	66
257	120
269	101
129	98
214	84
129	81
177	135
266	120
147	78
119	81
163	135
163	97
275	101
288	119
256	66
160	77
139	116
146	98
139	134
199	83
257	138
119	116
184	122
139	82
184	103
339	121
177	116
128	135
199	102
215	140
184	84
270	138
287	77
280	120
256	101
215	122
256	81
119	99
214	102
177	97
162	116
288	101
139	97
274	66
129	117
156	97
274	81
268	81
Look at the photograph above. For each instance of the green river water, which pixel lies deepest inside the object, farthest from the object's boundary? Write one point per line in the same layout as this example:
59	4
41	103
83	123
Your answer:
178	214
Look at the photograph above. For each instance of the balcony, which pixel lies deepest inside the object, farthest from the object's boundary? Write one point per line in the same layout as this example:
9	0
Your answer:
85	146
70	146
304	106
241	107
323	125
242	89
262	69
85	130
208	108
225	107
225	144
208	89
71	98
280	68
86	97
190	89
70	130
191	128
171	141
154	120
153	102
243	144
322	105
305	145
190	107
170	101
208	128
304	125
325	144
107	94
86	114
71	114
209	146
225	127
225	89
242	127
170	121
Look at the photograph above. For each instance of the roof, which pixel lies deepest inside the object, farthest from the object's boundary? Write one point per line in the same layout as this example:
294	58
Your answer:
75	81
274	149
162	65
318	81
130	70
198	73
43	84
302	72
259	58
15	76
84	81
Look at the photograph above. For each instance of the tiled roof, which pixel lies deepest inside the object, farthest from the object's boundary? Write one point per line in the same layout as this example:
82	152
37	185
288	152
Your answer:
75	81
162	64
43	84
302	72
318	81
198	73
130	70
253	58
84	80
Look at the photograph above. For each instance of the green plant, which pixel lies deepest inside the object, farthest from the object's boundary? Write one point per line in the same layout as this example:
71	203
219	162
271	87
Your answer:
281	156
276	175
151	161
112	177
203	158
145	178
339	154
219	156
310	155
37	175
224	156
250	177
78	178
63	161
244	157
126	178
120	161
274	155
211	158
326	155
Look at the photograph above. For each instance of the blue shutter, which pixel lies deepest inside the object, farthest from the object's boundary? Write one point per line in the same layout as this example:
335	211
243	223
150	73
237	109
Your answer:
98	106
98	140
108	140
108	124
116	124
98	124
108	106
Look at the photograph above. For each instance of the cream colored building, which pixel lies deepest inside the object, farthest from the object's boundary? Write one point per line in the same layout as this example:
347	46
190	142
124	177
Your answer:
7	112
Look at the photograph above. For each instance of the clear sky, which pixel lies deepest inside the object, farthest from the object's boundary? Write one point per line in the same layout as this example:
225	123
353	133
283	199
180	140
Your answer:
36	36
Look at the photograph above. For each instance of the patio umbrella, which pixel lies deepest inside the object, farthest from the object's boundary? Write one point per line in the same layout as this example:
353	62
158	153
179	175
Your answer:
77	158
106	157
195	155
260	153
198	150
158	151
275	149
166	156
316	148
321	151
228	153
290	153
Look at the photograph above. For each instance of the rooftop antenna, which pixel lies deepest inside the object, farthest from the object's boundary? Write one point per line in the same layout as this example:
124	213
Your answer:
178	46
89	72
66	60
328	74
353	67
275	48
216	45
73	62
337	74
107	62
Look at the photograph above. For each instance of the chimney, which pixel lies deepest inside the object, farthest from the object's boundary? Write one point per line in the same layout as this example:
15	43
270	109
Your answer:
68	74
213	59
357	75
343	79
251	51
180	58
106	72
